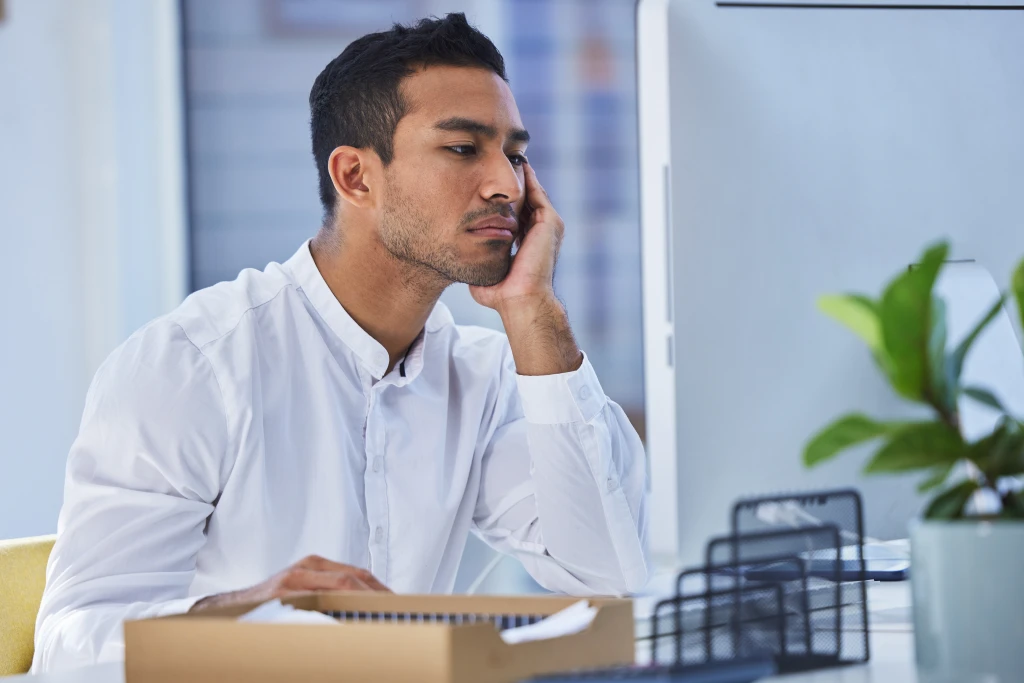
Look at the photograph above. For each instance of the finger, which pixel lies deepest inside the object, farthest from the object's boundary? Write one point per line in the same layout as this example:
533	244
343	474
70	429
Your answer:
316	563
310	580
322	564
371	581
351	582
536	196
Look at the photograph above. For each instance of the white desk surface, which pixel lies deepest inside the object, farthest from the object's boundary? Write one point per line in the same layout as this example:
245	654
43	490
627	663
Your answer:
892	648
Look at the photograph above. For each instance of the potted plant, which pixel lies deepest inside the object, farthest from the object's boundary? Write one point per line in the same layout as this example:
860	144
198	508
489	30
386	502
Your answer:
967	553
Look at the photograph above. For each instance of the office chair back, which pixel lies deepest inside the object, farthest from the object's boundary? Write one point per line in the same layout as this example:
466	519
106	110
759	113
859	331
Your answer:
22	579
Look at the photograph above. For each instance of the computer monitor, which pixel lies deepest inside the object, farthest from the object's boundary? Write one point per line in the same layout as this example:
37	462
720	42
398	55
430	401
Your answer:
787	152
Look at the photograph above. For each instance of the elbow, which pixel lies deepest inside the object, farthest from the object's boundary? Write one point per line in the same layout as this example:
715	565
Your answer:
627	581
632	580
637	581
73	638
634	572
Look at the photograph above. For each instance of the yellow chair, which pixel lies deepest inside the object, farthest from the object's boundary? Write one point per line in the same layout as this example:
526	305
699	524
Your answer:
22	578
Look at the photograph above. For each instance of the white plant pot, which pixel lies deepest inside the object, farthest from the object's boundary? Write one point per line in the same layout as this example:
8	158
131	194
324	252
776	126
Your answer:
967	578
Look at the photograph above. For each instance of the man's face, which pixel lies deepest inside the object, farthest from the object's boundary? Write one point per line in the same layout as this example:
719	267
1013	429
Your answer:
454	190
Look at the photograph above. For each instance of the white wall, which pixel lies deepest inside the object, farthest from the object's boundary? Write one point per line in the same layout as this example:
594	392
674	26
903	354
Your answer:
91	219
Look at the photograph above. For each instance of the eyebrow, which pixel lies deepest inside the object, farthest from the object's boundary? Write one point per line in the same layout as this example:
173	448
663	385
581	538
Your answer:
462	124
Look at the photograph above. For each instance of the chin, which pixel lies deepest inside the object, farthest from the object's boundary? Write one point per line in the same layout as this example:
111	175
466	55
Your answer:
484	273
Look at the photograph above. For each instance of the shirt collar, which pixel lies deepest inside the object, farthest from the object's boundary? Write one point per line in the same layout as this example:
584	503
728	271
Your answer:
368	350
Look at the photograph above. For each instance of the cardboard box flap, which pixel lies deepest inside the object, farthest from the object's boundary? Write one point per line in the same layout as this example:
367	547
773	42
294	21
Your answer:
398	646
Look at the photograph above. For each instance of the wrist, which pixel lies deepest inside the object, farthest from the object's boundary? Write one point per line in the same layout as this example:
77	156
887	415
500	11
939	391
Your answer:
223	600
540	336
528	307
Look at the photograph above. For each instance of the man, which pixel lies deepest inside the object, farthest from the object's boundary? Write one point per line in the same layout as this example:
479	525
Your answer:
324	422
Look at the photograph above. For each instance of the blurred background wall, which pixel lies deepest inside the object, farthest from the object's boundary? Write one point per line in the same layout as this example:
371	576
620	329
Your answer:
91	219
151	148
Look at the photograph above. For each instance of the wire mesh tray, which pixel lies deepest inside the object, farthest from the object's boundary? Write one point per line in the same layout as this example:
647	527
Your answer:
786	592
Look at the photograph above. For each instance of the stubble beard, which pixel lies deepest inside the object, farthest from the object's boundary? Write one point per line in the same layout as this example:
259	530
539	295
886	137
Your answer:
408	238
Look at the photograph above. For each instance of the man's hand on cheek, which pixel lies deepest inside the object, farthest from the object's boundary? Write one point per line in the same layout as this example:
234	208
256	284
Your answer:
534	319
530	279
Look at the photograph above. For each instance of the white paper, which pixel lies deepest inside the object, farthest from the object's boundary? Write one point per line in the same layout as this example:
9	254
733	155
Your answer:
573	619
276	612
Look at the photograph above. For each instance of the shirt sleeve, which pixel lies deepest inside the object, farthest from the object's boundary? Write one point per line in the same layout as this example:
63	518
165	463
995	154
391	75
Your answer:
141	480
563	484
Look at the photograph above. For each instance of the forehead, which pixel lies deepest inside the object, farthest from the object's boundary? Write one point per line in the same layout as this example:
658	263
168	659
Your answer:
441	92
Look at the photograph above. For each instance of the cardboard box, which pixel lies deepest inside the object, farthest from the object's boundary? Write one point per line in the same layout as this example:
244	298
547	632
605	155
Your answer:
213	646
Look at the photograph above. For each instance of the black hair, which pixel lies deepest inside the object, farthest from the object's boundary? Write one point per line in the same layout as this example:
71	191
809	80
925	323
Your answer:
356	100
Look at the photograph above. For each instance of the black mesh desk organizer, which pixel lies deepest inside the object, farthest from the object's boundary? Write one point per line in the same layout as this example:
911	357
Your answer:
787	583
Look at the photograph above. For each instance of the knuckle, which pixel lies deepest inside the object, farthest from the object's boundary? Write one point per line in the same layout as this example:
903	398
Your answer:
293	576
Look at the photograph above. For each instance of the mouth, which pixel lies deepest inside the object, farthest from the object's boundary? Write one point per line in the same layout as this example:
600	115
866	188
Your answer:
495	227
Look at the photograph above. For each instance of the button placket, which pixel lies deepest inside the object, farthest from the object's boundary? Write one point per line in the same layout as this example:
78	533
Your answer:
375	485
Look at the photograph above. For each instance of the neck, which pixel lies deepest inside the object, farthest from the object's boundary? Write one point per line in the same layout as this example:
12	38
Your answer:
390	299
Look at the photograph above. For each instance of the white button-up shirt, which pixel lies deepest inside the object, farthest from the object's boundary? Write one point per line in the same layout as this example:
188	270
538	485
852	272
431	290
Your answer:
255	425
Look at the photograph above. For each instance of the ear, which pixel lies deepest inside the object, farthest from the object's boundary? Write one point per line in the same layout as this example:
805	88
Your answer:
351	172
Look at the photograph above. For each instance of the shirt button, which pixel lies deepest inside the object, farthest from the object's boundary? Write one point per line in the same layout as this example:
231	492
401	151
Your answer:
610	484
378	535
378	464
584	392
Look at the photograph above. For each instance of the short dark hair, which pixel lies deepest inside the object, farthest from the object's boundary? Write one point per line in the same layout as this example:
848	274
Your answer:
356	101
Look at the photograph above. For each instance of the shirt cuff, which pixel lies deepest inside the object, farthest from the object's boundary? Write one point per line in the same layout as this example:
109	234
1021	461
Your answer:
558	399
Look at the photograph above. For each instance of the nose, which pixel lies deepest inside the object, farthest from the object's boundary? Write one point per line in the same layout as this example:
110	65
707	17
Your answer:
501	180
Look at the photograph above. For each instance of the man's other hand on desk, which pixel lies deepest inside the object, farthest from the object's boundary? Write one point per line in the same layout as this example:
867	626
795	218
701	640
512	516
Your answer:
312	573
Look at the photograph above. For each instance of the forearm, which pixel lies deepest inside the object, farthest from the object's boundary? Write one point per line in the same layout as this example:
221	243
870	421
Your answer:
590	502
589	480
540	336
83	636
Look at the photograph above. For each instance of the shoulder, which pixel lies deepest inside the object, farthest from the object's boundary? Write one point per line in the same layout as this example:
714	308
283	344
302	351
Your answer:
171	349
215	312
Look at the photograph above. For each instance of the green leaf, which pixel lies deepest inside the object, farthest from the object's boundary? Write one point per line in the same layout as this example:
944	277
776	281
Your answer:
859	314
856	312
943	392
845	432
936	478
985	397
1013	505
906	315
1018	289
919	445
956	359
1001	453
981	451
950	503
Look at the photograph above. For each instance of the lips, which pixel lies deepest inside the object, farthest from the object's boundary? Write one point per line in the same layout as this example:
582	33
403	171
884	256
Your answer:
495	226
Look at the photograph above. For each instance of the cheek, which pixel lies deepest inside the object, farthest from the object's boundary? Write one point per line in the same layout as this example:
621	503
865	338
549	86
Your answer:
438	200
455	189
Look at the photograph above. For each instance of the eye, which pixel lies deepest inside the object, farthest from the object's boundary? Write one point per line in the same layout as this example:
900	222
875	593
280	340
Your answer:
517	159
462	150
